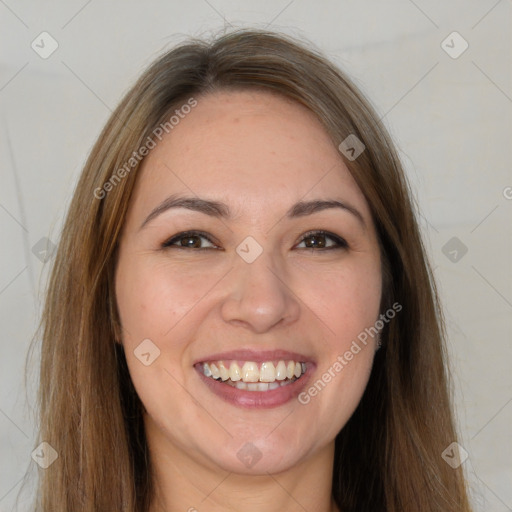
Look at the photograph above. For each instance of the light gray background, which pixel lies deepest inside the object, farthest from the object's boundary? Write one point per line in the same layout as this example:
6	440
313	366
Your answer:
451	118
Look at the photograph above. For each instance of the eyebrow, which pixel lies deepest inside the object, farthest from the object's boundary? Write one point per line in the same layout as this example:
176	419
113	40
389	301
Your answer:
221	210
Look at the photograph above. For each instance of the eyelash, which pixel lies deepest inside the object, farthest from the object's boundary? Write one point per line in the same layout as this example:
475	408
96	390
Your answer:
340	242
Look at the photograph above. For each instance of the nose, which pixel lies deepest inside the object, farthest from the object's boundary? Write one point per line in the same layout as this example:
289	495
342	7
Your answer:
259	295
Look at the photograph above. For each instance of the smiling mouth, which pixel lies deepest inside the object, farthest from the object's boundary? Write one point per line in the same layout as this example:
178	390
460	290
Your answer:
252	376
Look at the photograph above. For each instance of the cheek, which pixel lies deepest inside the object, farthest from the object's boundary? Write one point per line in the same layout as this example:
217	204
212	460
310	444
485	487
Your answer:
153	297
359	302
337	391
346	301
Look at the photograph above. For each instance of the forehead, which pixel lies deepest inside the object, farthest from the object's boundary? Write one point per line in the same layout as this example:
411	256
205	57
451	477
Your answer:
250	149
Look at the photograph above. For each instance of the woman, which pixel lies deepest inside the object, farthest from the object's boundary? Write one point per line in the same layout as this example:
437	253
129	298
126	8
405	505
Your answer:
241	313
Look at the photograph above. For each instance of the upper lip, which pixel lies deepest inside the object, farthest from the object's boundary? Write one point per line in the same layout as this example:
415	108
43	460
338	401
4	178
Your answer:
258	356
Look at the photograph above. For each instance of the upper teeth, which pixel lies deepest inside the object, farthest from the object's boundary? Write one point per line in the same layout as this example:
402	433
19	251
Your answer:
267	371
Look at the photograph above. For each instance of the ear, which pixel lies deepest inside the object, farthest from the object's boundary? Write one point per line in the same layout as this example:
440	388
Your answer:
115	324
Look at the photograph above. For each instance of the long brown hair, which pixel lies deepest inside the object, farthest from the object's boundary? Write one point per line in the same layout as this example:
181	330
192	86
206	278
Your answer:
388	456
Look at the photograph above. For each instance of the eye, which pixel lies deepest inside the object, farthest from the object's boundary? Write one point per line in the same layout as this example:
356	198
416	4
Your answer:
188	240
312	240
317	239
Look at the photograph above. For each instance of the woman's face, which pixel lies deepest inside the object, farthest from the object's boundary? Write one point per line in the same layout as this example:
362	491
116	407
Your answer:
256	291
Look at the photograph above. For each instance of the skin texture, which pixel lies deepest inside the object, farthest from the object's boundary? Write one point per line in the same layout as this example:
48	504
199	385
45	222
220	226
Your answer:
259	154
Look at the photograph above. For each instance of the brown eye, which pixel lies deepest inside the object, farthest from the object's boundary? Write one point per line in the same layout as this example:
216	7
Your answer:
318	240
188	240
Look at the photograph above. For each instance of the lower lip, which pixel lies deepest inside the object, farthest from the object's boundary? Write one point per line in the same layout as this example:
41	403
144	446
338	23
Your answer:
257	399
